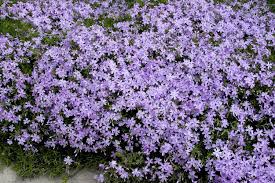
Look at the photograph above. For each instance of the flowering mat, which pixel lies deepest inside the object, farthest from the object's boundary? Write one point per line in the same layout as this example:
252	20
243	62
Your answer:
141	90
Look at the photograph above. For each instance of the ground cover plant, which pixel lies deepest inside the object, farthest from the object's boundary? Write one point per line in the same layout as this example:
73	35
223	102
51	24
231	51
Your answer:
143	90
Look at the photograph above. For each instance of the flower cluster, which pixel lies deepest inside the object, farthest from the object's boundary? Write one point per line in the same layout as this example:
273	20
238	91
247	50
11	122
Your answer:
172	91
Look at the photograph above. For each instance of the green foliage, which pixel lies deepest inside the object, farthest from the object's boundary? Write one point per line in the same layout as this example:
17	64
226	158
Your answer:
131	160
272	56
17	28
200	152
51	40
108	22
219	1
223	134
228	1
26	68
249	145
95	5
28	64
28	164
46	161
254	93
88	22
131	3
124	18
129	113
74	45
157	2
271	4
85	72
12	1
203	154
213	41
141	3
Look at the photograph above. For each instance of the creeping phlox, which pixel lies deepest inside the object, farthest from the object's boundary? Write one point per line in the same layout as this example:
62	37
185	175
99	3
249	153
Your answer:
174	91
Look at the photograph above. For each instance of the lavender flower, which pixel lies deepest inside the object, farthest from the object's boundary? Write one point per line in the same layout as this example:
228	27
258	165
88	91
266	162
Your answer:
68	160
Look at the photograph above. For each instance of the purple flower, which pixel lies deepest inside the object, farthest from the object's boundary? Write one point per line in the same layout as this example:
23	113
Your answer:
165	148
136	173
68	160
100	178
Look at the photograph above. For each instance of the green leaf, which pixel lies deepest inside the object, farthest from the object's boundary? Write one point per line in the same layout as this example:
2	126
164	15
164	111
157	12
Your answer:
88	22
17	29
26	68
51	40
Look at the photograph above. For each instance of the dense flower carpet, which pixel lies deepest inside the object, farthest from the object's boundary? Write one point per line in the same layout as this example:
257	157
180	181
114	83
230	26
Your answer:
143	90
